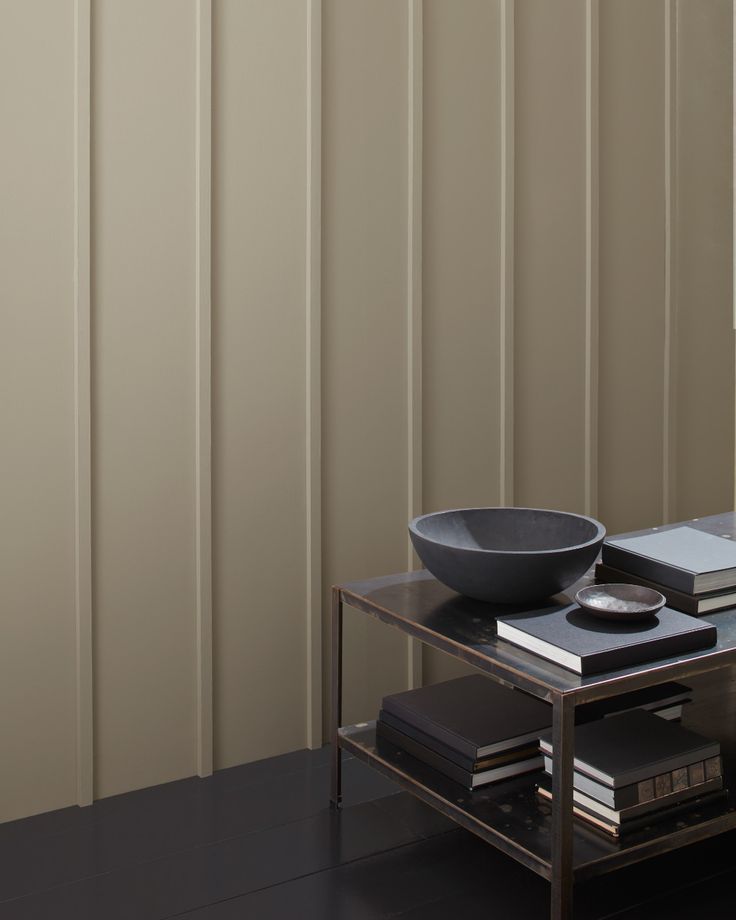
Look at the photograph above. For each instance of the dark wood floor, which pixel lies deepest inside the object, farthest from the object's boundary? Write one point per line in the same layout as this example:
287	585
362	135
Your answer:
259	842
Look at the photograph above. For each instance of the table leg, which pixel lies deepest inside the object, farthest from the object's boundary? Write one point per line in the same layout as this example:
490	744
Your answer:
336	700
563	742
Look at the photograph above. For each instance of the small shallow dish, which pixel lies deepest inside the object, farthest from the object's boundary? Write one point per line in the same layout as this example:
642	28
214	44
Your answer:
620	602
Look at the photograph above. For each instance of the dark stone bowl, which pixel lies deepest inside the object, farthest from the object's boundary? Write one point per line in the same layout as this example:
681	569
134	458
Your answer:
506	555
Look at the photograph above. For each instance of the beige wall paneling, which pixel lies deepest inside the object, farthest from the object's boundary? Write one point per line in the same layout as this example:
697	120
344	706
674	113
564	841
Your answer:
314	374
464	266
38	653
633	211
82	402
415	77
364	287
203	383
259	372
144	391
551	309
703	299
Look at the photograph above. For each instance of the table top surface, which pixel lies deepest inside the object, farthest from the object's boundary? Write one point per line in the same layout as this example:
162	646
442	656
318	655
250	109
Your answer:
421	606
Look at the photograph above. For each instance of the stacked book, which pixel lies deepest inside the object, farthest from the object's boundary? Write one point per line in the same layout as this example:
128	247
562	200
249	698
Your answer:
570	637
665	700
692	563
634	768
471	729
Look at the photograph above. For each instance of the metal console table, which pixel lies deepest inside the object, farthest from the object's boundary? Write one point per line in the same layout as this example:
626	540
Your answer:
509	814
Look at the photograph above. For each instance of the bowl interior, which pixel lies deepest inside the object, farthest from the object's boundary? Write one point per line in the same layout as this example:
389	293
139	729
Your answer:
515	530
620	599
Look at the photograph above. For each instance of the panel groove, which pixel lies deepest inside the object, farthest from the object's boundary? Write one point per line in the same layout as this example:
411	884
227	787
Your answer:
591	255
414	298
203	385
314	374
670	299
506	337
82	402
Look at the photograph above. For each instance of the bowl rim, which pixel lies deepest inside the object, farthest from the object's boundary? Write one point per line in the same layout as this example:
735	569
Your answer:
598	538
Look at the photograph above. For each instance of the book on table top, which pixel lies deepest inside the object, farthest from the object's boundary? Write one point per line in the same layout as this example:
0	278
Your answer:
664	699
694	604
692	557
473	715
613	829
518	765
634	746
623	815
586	644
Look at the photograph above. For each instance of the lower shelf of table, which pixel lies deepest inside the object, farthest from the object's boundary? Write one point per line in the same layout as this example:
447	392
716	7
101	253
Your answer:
510	816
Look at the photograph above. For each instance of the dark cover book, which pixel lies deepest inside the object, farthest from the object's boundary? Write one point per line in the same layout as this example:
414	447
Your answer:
692	557
663	696
466	763
472	715
583	643
634	746
694	604
452	770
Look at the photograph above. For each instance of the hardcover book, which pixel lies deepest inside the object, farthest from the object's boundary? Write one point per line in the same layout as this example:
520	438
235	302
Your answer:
580	642
616	830
694	604
624	815
636	746
520	763
646	790
665	700
692	557
466	763
472	715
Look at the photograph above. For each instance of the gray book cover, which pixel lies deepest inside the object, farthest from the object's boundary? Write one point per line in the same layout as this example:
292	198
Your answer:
693	556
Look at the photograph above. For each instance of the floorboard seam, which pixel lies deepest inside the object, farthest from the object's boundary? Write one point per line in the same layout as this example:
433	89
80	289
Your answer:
296	878
193	849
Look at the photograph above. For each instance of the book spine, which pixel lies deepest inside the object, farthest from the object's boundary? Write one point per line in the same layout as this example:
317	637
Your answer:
646	790
666	647
625	561
432	730
687	603
427	756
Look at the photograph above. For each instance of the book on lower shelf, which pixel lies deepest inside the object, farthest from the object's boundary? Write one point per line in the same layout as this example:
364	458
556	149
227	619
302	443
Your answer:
692	557
633	768
472	729
580	642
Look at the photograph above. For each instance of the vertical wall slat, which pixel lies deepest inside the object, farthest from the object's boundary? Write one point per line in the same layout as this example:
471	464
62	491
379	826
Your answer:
414	299
364	325
468	259
702	267
203	384
631	263
82	402
591	255
313	535
550	266
506	332
669	439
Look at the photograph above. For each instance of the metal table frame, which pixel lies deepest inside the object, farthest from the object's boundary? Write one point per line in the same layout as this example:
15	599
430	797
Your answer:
419	606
